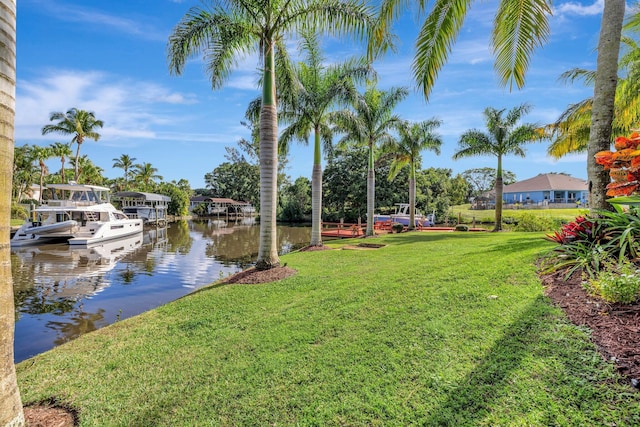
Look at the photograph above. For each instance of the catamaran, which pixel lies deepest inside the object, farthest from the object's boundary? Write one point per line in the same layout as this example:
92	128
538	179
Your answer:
78	213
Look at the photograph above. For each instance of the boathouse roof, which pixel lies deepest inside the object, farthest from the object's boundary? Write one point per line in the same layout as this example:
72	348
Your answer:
153	197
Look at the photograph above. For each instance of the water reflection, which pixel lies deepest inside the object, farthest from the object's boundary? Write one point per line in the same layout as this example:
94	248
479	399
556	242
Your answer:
62	292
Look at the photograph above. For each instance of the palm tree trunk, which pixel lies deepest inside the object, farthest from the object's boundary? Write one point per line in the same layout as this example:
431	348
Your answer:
498	225
77	174
316	193
62	177
268	249
412	197
603	100
371	193
11	413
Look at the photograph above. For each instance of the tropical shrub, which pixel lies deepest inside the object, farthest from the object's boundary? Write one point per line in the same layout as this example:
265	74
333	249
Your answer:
529	222
580	248
618	282
19	212
292	211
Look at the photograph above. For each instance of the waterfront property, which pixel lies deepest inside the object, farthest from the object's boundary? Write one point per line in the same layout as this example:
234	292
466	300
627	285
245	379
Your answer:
216	206
149	207
549	190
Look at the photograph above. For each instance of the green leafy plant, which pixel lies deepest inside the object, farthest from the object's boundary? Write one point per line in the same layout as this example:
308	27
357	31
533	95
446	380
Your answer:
618	282
19	212
396	227
581	248
621	231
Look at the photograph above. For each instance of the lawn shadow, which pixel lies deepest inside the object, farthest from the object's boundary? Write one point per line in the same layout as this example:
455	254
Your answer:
469	402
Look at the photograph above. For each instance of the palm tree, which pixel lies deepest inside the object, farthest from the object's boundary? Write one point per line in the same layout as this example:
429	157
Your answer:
319	88
233	28
414	138
24	171
146	174
63	151
504	137
519	27
604	93
11	413
41	154
369	124
125	163
79	123
88	172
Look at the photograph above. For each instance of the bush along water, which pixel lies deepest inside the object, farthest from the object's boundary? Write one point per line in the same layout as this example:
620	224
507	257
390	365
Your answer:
605	246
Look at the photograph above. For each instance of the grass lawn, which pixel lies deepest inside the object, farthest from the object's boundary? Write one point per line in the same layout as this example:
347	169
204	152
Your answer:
432	329
489	216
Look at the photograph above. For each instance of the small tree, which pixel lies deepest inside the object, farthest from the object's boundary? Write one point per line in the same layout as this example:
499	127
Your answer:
79	123
504	137
414	138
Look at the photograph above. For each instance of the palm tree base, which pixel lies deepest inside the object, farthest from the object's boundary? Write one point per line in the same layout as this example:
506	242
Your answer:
266	265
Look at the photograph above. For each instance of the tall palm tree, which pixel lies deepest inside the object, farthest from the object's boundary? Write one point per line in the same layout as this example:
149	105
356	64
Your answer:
318	89
79	123
504	136
11	413
63	151
125	163
41	154
519	27
146	174
413	138
604	93
369	125
233	28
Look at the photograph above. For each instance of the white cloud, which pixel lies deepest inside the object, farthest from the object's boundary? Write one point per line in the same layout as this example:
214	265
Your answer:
573	8
128	108
138	26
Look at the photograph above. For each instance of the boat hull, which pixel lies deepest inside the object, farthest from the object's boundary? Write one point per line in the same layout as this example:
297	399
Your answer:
101	232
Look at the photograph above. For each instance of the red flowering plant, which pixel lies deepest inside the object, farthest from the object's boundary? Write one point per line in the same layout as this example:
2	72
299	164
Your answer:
579	229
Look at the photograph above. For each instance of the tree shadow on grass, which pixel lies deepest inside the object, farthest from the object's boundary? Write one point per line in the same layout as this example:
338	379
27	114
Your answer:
491	383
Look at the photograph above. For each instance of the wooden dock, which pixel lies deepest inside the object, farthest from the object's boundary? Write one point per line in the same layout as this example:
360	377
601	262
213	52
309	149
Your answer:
342	230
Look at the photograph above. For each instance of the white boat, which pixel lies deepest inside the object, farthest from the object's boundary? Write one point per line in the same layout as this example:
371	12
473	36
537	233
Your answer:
80	214
401	215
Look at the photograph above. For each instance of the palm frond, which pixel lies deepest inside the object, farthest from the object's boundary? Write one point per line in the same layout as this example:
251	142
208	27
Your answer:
437	35
520	26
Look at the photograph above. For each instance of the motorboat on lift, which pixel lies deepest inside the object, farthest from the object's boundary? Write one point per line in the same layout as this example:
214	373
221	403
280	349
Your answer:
401	215
78	213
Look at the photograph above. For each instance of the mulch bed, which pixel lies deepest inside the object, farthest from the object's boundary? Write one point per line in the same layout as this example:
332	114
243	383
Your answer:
49	414
615	327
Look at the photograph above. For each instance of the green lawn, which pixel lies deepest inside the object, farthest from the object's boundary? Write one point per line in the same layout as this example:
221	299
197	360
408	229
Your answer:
432	329
489	216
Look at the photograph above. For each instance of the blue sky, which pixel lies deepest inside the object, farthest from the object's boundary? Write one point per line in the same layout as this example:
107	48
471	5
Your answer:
109	57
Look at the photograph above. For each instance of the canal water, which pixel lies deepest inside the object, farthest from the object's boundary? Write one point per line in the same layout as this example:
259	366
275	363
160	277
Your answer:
62	292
